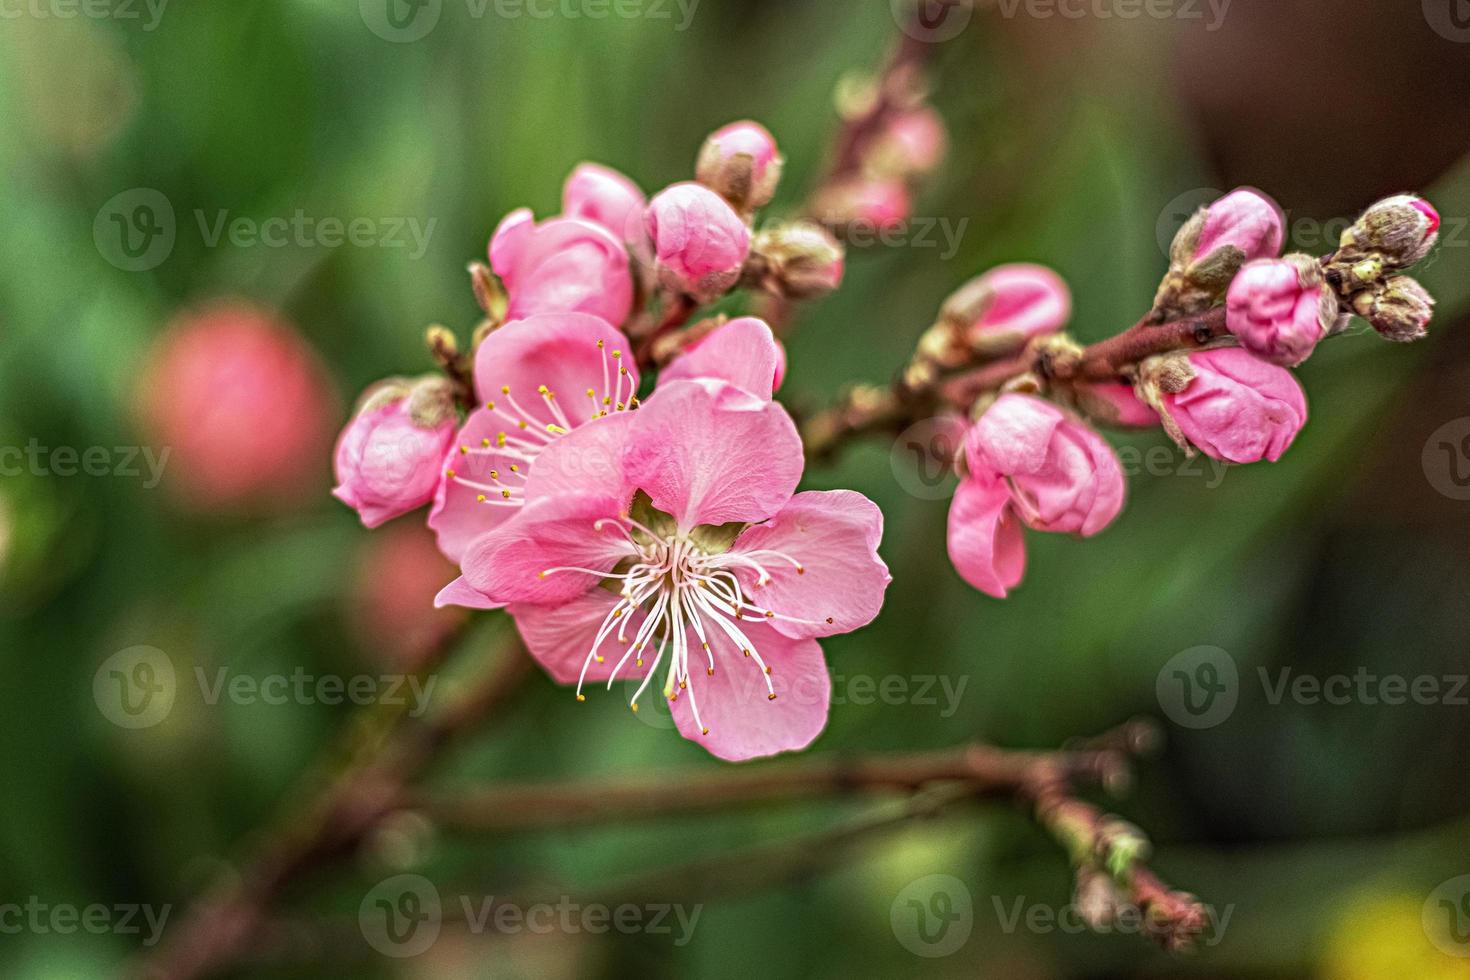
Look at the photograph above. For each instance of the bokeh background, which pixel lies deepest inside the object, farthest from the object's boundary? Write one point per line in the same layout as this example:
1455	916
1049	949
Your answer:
1081	143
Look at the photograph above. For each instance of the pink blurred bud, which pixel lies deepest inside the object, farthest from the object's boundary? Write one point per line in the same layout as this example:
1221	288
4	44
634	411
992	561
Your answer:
1246	219
241	404
1236	407
742	163
1063	476
700	242
1280	308
1117	404
390	456
881	205
605	197
1018	298
397	574
913	144
563	265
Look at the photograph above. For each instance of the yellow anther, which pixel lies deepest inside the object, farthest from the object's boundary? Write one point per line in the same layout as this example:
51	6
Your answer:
771	697
768	670
505	494
556	430
635	703
541	389
481	498
500	440
514	468
505	389
489	406
599	345
710	671
494	474
601	659
746	652
683	686
591	393
705	731
639	661
617	353
800	570
581	697
449	473
464	450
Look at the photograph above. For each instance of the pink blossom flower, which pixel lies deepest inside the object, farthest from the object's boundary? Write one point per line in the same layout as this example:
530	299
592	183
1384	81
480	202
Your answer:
388	457
540	378
669	544
1246	219
602	195
742	163
563	265
913	143
879	204
1021	298
1280	308
700	242
243	406
1029	463
1236	407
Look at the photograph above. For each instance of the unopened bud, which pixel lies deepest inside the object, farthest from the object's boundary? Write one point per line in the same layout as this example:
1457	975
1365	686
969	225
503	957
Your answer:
442	346
1400	230
742	164
488	291
873	205
1399	309
798	261
911	144
1209	250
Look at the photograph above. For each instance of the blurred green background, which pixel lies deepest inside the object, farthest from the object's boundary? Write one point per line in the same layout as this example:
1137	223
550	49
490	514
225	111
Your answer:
1323	829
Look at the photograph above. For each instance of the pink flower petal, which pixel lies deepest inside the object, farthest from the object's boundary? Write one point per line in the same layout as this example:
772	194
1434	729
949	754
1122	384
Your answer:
985	539
560	637
834	535
458	515
561	352
709	453
461	593
743	352
735	706
589	460
512	563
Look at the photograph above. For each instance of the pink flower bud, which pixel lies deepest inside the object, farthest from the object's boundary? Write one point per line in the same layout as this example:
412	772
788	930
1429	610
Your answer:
1019	298
563	265
741	163
1117	404
242	406
1236	407
390	456
1401	229
1245	219
700	242
913	144
1399	308
880	205
798	261
1063	476
1280	308
605	197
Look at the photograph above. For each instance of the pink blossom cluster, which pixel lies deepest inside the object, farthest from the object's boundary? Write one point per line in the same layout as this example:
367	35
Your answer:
654	536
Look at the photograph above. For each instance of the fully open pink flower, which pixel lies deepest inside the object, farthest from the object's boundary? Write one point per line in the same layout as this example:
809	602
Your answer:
602	195
1237	407
540	378
1029	463
563	265
668	544
700	242
388	457
1280	308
